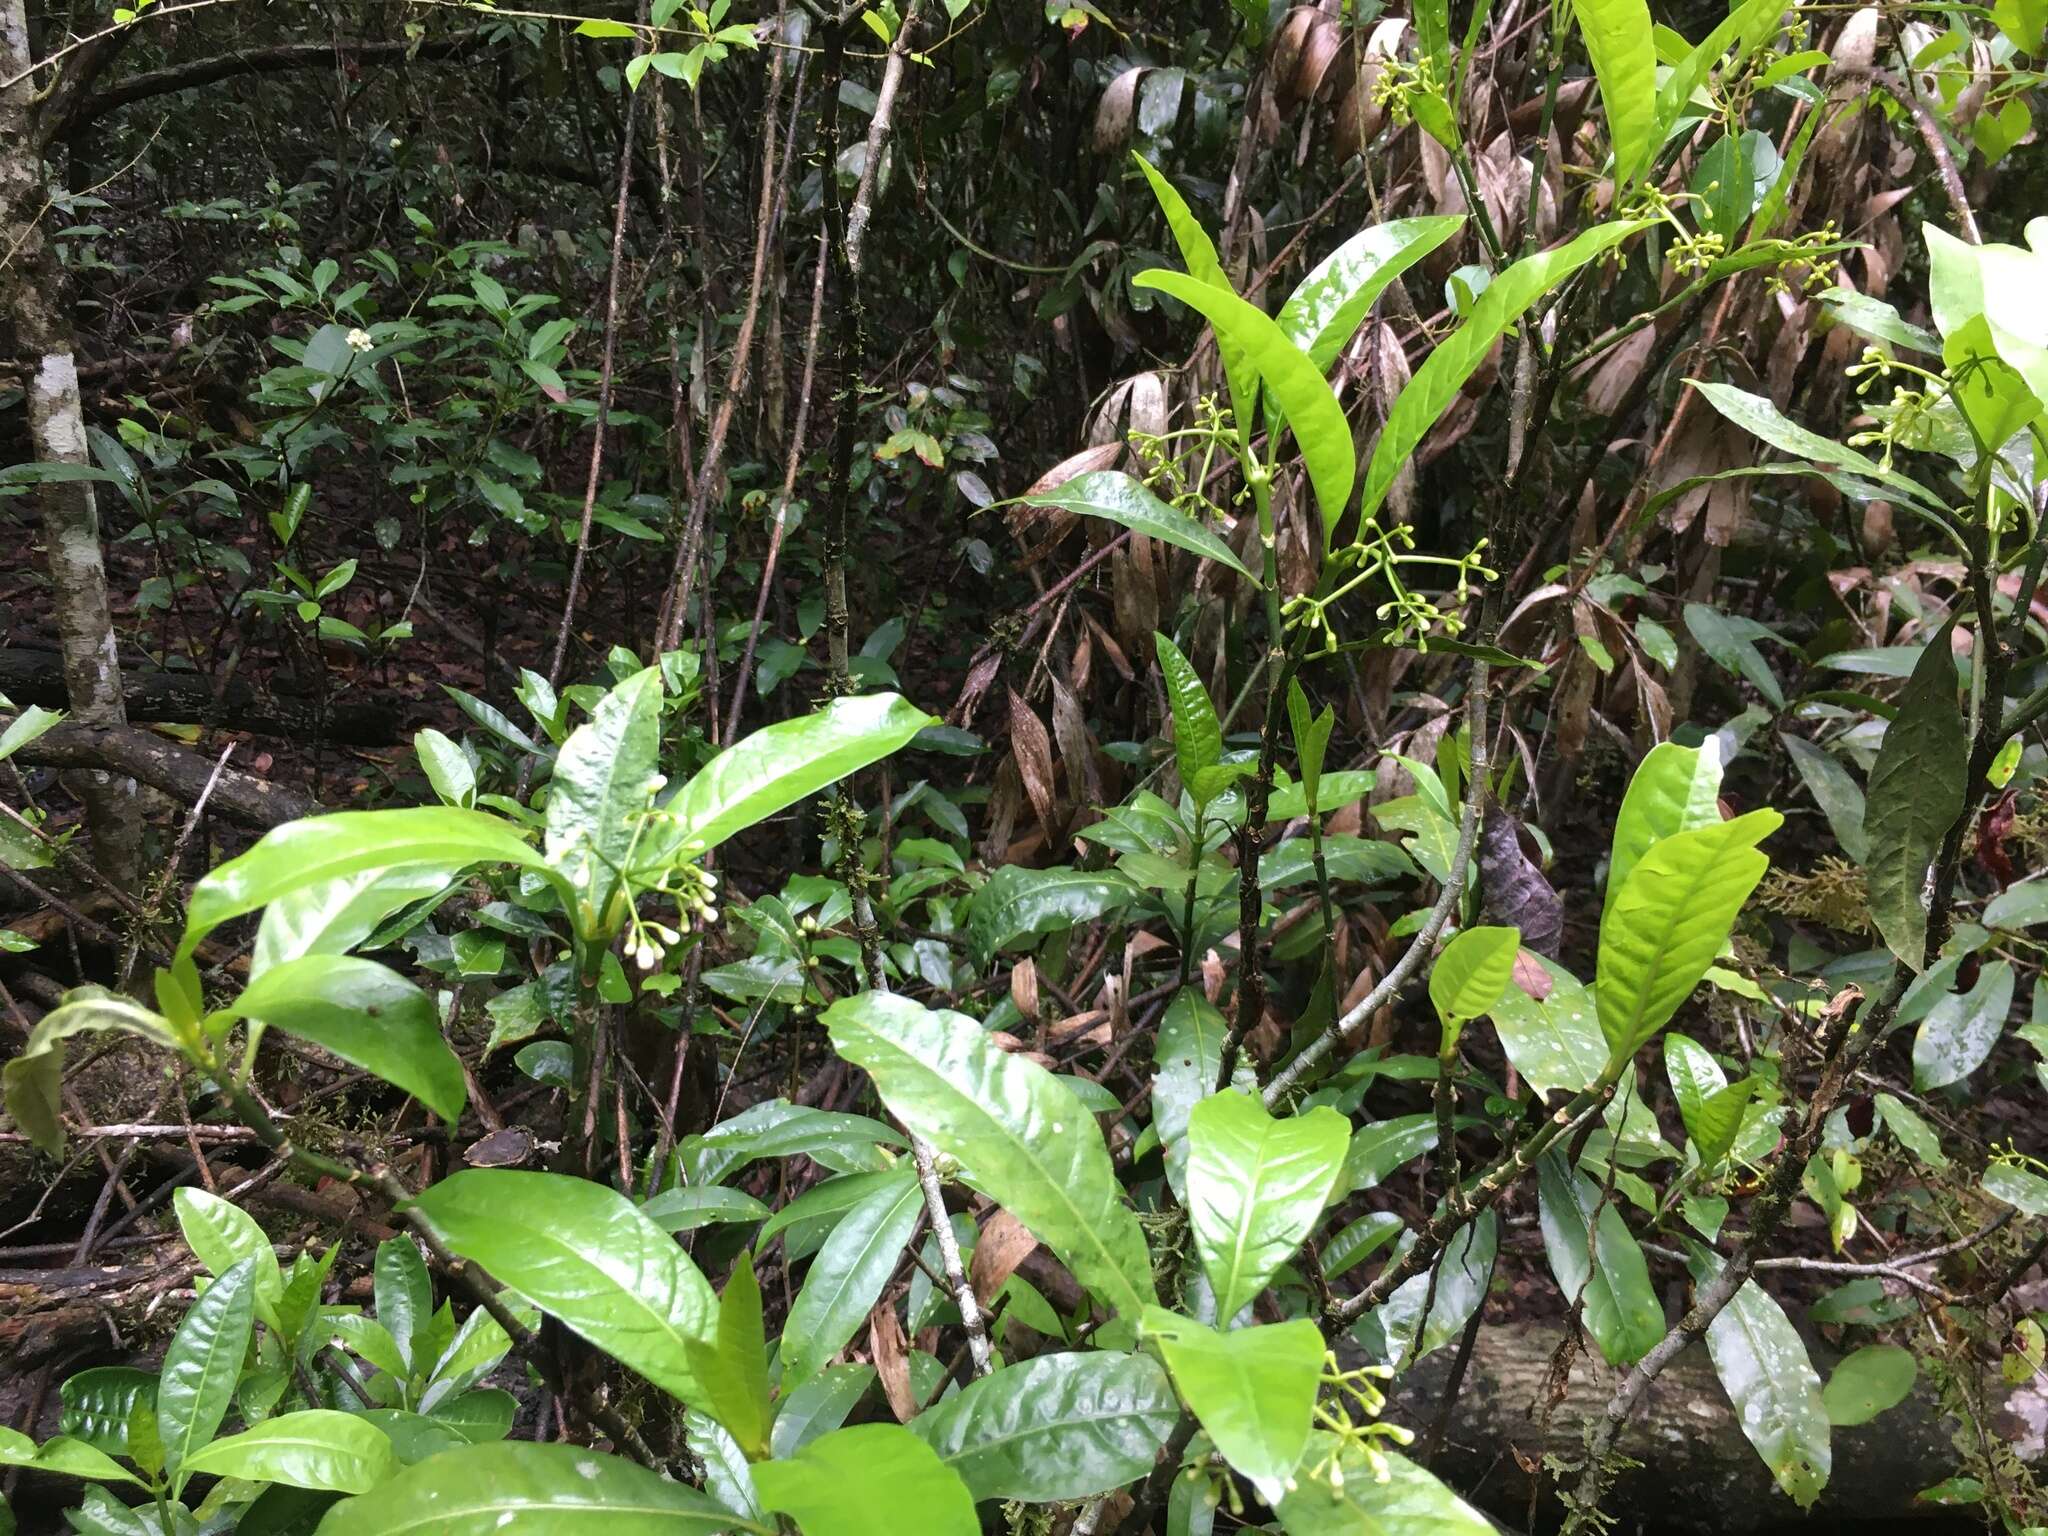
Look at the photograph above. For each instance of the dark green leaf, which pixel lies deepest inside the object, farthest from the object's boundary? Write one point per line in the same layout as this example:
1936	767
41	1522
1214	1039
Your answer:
1607	1269
1116	497
203	1363
847	1278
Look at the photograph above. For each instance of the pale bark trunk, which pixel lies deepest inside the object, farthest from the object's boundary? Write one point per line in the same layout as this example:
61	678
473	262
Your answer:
34	318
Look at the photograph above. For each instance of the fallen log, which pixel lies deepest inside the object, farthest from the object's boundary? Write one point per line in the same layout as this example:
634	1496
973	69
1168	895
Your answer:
161	765
1698	1472
29	676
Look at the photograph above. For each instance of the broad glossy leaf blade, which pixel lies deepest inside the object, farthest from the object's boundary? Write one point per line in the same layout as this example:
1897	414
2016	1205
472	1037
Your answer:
868	1480
203	1363
1256	1186
1469	977
318	1448
1118	498
584	1255
1763	1365
1617	37
1607	1268
1556	1043
1197	735
1198	254
1917	791
63	1455
1674	789
847	1277
1020	1135
599	790
1325	311
221	1234
1187	1054
1408	1502
1961	1031
1253	1389
1016	904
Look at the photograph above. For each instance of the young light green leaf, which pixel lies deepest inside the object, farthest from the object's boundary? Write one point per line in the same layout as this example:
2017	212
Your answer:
1608	1270
1320	429
446	767
1187	1054
1339	1492
1311	741
317	1448
1961	1031
1325	311
1617	36
1197	736
818	1406
1763	1365
33	1081
202	1365
1673	789
1917	791
868	1480
598	791
1669	922
1198	254
536	1490
26	727
404	1296
1470	976
1436	383
221	1234
1118	498
1253	1389
63	1455
1020	1135
734	1371
1709	1104
584	1255
1255	1187
847	1277
1063	1426
1873	1379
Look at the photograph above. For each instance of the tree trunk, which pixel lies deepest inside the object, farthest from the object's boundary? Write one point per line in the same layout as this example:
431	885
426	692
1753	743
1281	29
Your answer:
32	310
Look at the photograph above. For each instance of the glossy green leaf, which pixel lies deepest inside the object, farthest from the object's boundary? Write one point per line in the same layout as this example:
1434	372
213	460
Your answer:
530	1490
1436	383
2018	1187
1252	1389
1914	1133
776	767
1118	498
1556	1043
203	1363
1255	1188
1760	417
1763	1366
1339	1492
1865	1384
1469	977
1287	376
1198	254
778	1128
1187	1054
1062	1426
221	1234
1878	320
1835	791
1461	1278
33	1080
336	915
481	1415
61	1454
1745	27
1673	789
598	792
1670	920
317	1448
1711	1106
25	727
1380	1148
369	1016
405	1297
413	1437
1016	904
1020	1135
817	1407
584	1255
1731	640
733	1371
1197	736
848	1275
1961	1031
1617	38
98	1402
320	849
1606	1266
688	1207
1325	311
2020	906
1917	791
869	1480
446	766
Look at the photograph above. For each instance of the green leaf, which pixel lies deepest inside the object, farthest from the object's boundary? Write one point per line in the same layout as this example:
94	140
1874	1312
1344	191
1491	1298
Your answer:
1745	27
405	1298
1621	1308
1015	904
1917	791
597	26
1063	1426
1961	1031
1673	789
1197	736
1555	1043
33	1081
1865	1384
734	1372
776	767
446	767
1878	320
1326	309
530	1490
2018	907
848	1275
869	1480
690	1206
1253	1389
221	1234
1187	1055
1391	1496
1759	417
818	1407
1617	35
599	789
1914	1133
1709	1104
1436	383
1288	378
26	727
1469	978
1020	1135
2018	1187
61	1454
98	1404
1311	741
1116	497
320	849
584	1255
1835	791
1380	1148
1730	639
1255	1187
202	1365
1452	1294
368	1015
337	915
317	1448
1198	254
1669	921
1764	1368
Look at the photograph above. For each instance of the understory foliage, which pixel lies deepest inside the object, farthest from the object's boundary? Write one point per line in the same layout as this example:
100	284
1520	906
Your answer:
1141	710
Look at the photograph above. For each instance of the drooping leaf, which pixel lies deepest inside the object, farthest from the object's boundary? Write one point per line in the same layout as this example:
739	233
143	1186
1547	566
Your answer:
1436	383
1673	789
203	1363
1339	1492
1255	1187
1470	975
98	1403
317	1448
1961	1031
1019	1134
33	1080
1760	417
1605	1266
585	1255
1326	309
1062	1426
531	1490
2018	1187
1914	1133
1916	793
1670	920
847	1276
1461	1278
1731	639
598	791
1875	1378
1118	498
868	1480
62	1454
1763	1365
1253	1389
1617	37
